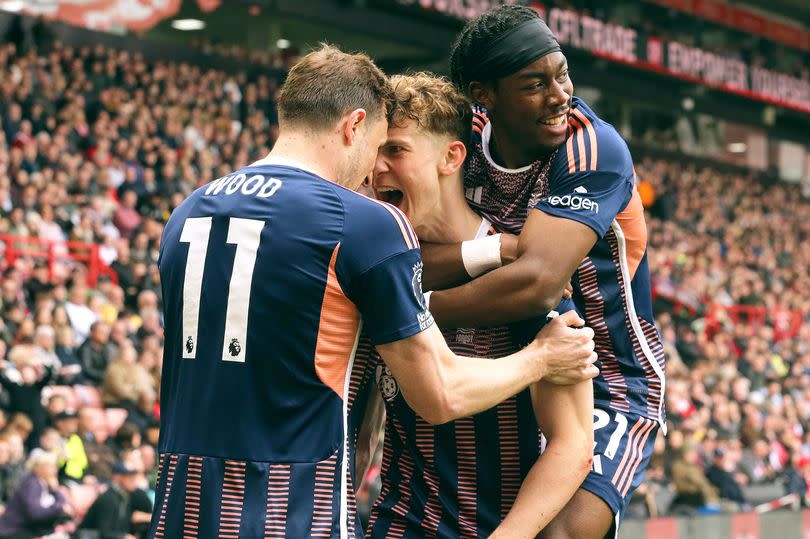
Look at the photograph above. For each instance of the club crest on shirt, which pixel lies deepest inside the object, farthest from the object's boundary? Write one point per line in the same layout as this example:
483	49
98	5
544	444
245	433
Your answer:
389	388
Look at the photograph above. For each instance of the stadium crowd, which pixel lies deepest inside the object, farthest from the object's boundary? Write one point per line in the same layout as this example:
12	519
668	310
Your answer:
98	146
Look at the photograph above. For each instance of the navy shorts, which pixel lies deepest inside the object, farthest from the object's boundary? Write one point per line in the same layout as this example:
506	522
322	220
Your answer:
623	445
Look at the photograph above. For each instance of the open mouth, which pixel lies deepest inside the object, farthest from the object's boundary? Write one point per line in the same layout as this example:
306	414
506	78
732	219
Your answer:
554	121
390	195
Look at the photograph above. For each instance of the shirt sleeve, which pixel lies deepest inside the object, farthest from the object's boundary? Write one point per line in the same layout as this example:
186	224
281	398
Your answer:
391	301
380	268
591	198
591	191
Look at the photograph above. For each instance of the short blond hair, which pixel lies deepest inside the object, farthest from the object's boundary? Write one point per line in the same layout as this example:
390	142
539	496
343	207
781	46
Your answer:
433	102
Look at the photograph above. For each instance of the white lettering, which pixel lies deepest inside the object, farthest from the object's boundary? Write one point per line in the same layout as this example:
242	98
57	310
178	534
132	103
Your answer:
256	185
216	186
235	183
594	35
248	189
780	86
574	202
704	65
269	188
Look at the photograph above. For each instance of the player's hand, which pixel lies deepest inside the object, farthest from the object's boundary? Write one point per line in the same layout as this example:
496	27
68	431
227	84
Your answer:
568	350
509	248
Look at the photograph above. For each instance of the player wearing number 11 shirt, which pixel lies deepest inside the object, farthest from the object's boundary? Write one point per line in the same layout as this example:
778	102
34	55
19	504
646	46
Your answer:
269	274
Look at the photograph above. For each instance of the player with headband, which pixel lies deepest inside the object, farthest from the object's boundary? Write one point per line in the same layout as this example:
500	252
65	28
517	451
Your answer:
547	167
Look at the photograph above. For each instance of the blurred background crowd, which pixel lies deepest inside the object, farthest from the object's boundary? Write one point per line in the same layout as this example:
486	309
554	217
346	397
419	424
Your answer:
98	145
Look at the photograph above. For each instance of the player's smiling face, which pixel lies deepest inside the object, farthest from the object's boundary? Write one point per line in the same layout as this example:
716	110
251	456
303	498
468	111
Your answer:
406	172
531	107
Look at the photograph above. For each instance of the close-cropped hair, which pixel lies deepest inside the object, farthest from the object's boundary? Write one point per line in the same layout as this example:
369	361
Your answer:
433	102
327	84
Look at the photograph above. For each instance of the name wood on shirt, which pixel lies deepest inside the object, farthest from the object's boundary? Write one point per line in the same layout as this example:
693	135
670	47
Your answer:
254	185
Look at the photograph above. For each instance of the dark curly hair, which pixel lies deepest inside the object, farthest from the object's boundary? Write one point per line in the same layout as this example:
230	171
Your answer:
476	36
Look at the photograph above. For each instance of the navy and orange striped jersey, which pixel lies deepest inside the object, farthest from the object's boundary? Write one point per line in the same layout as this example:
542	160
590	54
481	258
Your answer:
589	179
268	276
458	479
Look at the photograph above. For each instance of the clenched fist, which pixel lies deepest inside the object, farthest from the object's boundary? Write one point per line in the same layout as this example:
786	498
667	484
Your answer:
569	350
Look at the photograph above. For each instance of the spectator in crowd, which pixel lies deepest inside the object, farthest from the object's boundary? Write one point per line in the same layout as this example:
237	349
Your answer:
128	437
693	490
128	385
92	429
51	441
96	353
756	463
38	503
721	475
126	218
80	314
121	508
71	371
39	283
25	387
57	403
5	461
73	458
795	482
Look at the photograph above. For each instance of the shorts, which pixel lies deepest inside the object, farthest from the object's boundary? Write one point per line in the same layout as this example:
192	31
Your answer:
623	445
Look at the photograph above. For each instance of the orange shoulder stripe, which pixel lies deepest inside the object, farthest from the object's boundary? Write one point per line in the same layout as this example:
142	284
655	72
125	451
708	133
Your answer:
579	135
569	149
404	225
591	136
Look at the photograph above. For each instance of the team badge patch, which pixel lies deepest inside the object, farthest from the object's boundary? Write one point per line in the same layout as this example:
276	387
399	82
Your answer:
389	388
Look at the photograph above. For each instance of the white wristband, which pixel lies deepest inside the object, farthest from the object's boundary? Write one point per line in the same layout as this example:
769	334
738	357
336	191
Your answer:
481	255
427	299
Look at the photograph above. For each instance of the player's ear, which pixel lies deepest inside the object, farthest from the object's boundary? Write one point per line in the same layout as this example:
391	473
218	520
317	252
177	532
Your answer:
351	125
454	155
482	93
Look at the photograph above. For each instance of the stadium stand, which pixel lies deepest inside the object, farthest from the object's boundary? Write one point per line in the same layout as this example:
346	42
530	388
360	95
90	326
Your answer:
98	146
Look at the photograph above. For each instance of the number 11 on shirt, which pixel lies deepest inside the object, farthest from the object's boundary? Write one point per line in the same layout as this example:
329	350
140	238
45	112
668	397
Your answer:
246	235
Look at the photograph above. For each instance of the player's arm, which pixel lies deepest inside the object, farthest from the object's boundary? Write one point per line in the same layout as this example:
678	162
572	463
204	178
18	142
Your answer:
557	236
441	386
565	415
549	250
444	265
380	268
369	436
